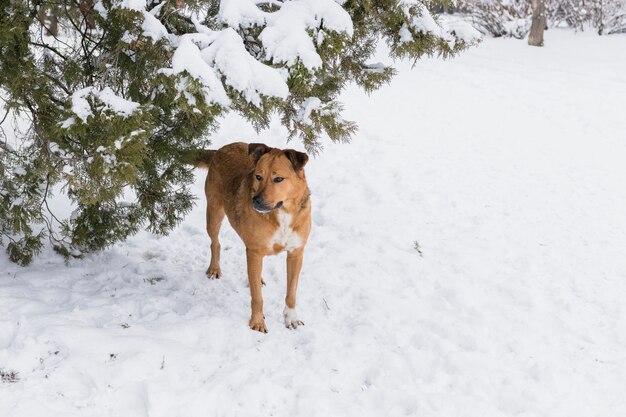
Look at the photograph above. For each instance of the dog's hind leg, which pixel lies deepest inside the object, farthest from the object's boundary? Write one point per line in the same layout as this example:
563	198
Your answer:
214	218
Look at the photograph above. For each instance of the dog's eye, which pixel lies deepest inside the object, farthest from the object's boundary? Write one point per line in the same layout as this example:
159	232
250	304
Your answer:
259	178
278	179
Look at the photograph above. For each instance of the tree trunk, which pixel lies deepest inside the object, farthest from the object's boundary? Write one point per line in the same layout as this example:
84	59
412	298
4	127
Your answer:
535	38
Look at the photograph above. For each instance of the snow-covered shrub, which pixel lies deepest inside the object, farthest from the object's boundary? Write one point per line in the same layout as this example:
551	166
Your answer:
609	16
604	16
567	13
512	17
498	18
118	92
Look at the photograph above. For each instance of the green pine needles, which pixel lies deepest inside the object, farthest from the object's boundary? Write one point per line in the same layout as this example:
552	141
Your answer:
109	104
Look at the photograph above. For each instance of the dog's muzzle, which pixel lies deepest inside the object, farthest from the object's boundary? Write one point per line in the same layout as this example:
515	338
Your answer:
261	206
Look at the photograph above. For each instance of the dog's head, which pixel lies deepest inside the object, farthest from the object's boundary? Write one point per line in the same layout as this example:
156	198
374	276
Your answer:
277	178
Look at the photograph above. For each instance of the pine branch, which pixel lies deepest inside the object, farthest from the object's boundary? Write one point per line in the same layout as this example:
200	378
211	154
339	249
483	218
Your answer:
50	48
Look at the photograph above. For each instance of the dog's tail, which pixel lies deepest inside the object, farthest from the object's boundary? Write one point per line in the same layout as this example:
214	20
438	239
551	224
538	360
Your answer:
200	158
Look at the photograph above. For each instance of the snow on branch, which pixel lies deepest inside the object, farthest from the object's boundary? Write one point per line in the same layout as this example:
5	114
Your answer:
187	57
105	97
286	33
241	71
213	55
285	36
423	22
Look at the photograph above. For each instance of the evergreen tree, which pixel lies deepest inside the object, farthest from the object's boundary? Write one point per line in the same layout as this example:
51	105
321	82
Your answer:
118	93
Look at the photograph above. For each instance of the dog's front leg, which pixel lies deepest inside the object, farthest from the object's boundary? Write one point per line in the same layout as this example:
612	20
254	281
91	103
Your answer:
294	265
255	267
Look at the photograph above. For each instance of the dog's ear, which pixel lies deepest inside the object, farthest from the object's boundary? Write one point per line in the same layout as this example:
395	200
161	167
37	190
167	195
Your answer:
256	151
298	159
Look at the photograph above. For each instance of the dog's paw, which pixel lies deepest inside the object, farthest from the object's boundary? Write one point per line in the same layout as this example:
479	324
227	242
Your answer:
258	325
213	272
291	318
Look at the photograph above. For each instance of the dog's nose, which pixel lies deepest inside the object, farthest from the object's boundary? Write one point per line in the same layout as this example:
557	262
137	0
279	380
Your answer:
259	204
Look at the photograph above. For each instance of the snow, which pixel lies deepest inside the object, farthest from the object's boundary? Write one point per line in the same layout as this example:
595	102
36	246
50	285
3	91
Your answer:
424	22
99	7
110	101
405	34
309	105
116	103
210	55
505	165
138	5
241	13
377	67
241	71
460	28
69	122
448	27
188	58
285	37
152	27
213	57
18	170
80	106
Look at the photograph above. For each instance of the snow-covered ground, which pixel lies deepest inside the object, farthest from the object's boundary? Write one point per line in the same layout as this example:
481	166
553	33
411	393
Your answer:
505	165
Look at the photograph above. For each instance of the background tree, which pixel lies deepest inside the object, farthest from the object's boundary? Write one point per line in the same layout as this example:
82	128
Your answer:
535	37
121	92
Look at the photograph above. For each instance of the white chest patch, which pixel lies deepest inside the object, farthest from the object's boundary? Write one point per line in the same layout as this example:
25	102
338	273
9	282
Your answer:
285	236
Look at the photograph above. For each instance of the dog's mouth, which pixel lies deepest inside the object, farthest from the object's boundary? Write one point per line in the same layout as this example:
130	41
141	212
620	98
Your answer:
261	207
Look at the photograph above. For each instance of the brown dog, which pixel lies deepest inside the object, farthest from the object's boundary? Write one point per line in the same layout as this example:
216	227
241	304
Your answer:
264	193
